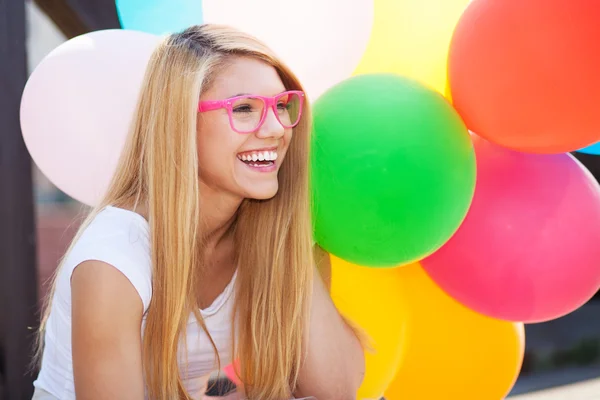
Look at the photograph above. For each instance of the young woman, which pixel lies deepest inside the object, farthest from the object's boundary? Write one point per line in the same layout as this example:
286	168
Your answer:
201	252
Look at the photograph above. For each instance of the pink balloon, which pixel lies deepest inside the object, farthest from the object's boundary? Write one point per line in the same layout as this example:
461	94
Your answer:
321	41
529	248
77	106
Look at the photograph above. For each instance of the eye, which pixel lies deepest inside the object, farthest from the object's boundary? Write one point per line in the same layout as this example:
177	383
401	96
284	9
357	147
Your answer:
283	106
243	108
247	105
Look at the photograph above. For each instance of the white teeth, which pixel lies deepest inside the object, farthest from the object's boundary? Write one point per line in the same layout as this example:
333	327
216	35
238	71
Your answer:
259	156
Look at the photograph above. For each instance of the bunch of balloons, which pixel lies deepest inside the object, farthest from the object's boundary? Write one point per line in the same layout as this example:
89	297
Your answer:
395	184
443	190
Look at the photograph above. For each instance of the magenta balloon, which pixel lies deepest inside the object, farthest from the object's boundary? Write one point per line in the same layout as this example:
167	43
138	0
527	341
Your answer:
529	248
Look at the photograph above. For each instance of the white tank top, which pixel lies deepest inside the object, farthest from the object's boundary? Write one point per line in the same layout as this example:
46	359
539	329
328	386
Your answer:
121	238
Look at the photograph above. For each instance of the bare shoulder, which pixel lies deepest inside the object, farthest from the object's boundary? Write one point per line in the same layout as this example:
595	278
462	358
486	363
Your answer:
106	318
100	287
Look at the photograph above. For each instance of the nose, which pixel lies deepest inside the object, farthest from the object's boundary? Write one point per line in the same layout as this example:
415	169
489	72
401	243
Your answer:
271	127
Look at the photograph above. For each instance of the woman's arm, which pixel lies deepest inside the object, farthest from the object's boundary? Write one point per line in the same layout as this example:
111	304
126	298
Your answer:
106	334
335	365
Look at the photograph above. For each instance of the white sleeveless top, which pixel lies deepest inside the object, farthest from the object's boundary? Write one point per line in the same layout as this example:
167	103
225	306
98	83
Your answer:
121	238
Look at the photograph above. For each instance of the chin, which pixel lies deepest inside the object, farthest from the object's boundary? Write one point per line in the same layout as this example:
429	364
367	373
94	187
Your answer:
265	192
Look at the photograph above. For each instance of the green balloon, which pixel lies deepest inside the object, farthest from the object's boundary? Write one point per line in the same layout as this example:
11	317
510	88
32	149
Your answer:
393	170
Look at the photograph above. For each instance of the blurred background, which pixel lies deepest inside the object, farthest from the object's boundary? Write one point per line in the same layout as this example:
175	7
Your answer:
561	352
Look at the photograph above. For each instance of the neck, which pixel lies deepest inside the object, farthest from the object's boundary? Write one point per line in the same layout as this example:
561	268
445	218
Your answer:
219	210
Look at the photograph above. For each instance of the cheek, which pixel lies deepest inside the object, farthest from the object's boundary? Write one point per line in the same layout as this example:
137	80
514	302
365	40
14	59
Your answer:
217	151
287	138
212	155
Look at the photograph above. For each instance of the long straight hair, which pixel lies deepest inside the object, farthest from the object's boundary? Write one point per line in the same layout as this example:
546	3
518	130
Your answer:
158	170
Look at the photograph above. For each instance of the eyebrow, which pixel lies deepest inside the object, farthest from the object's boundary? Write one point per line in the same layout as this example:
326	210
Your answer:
254	94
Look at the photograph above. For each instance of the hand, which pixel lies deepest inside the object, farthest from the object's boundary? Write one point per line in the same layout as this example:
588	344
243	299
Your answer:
232	396
237	395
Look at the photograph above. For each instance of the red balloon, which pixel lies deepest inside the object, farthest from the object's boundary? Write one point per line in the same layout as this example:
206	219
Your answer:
529	247
525	74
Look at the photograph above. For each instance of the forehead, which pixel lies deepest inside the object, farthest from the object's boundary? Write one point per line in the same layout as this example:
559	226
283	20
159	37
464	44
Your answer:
245	75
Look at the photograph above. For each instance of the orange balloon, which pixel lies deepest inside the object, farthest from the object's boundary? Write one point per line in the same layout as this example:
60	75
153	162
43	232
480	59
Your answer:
451	352
525	74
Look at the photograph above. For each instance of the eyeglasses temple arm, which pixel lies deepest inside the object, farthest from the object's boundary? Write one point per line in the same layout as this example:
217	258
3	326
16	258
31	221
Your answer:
210	105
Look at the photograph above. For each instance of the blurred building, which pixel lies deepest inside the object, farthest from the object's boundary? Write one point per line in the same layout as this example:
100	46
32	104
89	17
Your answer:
42	37
57	213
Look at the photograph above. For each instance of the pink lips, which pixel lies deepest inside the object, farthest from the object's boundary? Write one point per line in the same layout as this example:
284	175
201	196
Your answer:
261	168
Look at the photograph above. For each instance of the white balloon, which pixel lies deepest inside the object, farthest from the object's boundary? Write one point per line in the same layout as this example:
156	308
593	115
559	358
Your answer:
322	41
77	106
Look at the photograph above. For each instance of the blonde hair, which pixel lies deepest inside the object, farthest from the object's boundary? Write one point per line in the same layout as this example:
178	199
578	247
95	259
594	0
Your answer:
158	169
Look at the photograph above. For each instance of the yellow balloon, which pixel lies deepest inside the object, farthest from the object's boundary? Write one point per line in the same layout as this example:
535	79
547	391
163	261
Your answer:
448	93
412	38
373	299
451	352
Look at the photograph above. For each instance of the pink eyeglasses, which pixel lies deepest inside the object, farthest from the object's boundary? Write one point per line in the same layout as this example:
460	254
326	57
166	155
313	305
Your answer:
247	113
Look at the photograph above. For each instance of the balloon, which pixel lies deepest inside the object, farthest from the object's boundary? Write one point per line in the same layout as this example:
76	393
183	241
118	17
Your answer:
393	170
451	352
524	74
372	299
593	149
159	16
77	106
412	38
528	248
321	41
